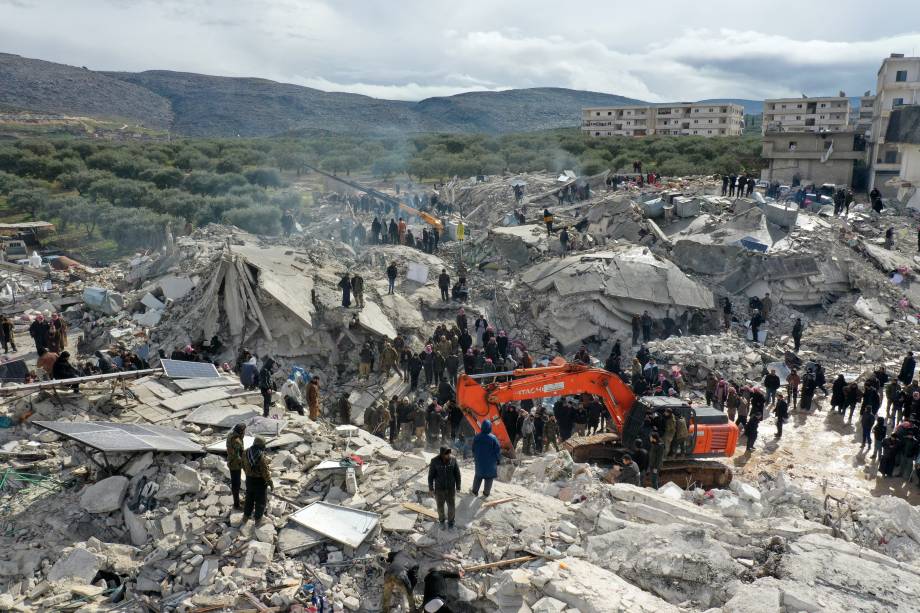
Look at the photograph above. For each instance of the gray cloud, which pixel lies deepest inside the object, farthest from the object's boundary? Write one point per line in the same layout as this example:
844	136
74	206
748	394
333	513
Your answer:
415	49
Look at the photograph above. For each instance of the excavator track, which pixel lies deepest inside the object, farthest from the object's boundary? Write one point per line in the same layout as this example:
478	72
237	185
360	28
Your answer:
685	472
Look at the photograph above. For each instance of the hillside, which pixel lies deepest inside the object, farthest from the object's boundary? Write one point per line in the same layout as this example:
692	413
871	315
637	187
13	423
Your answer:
36	85
202	105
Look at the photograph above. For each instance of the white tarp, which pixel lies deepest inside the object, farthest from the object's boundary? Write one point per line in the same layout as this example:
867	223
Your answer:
347	526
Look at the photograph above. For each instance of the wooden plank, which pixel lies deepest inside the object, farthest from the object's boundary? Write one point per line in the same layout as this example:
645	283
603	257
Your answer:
421	510
493	503
255	601
499	564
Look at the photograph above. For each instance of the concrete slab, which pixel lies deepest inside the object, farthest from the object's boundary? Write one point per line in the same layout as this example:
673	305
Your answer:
220	416
373	319
193	399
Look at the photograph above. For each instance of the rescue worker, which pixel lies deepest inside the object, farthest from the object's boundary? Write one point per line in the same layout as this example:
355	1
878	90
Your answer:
258	478
235	460
7	334
781	411
444	483
629	472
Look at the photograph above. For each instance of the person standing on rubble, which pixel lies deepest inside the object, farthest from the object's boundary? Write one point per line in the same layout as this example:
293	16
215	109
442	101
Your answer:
266	385
669	429
797	334
393	232
401	228
889	238
235	460
636	323
7	334
726	313
392	271
444	285
756	322
792	387
548	219
39	330
750	431
389	359
646	326
258	480
724	185
313	399
771	383
486	455
357	288
656	455
345	285
444	483
781	412
878	436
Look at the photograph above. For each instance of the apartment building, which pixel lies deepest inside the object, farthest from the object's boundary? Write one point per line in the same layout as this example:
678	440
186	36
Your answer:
898	85
806	114
812	157
682	119
862	118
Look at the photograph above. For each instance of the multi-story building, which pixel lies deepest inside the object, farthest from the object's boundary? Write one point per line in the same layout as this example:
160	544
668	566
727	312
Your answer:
862	118
806	114
812	157
898	85
681	119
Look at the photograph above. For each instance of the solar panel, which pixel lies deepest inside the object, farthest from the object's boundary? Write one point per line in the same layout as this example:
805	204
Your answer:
109	436
178	369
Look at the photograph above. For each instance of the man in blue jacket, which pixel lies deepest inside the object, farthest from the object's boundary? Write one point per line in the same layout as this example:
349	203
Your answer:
486	454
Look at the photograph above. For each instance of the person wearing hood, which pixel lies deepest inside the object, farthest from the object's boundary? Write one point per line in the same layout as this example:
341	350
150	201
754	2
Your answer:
104	362
258	480
290	391
486	455
57	333
63	369
266	385
39	330
235	450
345	285
249	373
313	400
502	341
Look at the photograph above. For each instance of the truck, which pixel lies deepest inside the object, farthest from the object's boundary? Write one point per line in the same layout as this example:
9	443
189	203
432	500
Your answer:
712	434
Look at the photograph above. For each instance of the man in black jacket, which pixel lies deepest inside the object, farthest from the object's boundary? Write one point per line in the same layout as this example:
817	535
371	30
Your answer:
444	285
906	375
444	483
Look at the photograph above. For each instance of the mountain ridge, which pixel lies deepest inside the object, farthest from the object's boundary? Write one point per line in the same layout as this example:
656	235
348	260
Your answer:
194	104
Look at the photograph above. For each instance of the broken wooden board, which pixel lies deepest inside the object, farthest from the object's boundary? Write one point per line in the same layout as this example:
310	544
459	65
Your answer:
421	510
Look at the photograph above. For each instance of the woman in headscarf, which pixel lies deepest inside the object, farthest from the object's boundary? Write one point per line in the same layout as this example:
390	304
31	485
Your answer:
58	335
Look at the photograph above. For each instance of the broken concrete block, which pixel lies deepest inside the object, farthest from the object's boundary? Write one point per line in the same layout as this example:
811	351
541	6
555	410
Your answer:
79	565
185	481
136	525
105	496
753	598
138	464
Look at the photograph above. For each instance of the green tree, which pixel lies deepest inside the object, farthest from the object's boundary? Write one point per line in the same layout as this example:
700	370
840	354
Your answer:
256	219
27	201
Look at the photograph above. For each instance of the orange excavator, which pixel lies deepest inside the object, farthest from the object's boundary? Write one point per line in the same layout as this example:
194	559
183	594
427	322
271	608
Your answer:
711	432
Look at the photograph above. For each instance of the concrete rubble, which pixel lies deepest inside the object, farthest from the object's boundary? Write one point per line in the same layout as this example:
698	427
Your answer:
157	530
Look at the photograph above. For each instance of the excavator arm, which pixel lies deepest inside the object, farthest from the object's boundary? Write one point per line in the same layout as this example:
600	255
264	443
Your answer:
479	402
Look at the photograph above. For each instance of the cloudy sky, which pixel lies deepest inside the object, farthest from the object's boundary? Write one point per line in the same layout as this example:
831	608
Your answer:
412	49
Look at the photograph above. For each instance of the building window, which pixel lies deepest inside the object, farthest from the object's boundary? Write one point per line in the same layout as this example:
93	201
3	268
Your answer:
798	118
897	102
597	134
722	110
710	121
900	76
820	116
891	157
597	114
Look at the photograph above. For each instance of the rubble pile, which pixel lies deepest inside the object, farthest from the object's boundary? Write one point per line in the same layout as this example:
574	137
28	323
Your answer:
92	528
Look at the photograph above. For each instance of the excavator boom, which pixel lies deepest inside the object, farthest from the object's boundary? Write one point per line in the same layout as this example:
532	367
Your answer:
479	402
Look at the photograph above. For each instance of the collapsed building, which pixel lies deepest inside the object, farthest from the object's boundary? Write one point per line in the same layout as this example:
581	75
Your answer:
118	498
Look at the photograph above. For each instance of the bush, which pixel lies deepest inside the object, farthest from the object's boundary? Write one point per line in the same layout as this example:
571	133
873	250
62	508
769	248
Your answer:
256	219
266	177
